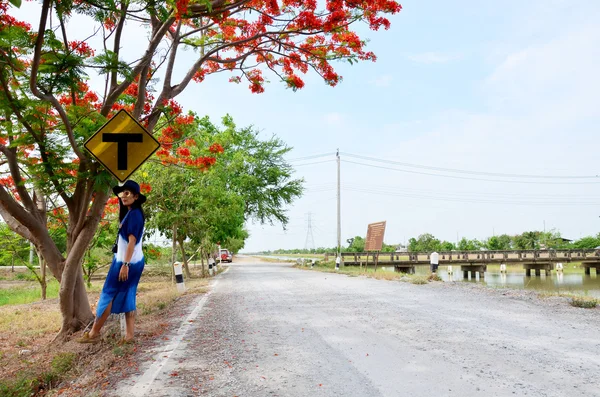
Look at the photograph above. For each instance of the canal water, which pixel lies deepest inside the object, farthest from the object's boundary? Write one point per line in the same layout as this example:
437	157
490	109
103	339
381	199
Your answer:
572	280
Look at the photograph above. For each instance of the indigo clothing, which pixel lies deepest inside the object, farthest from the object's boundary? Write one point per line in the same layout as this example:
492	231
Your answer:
122	293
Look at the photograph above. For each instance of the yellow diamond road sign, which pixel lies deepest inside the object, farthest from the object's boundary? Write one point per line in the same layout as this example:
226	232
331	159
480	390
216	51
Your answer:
122	145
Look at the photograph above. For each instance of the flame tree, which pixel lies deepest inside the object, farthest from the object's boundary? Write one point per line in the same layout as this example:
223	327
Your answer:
48	110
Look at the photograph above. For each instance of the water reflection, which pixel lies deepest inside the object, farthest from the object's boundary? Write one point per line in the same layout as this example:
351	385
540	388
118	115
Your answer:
573	280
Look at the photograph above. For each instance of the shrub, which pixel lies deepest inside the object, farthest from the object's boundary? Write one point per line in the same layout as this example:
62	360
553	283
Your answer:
584	302
419	280
62	363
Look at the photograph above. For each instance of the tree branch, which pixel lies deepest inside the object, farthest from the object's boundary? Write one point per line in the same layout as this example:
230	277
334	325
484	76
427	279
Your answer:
35	64
146	59
117	44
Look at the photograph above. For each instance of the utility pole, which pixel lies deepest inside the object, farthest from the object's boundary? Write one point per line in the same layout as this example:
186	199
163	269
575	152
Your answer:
339	219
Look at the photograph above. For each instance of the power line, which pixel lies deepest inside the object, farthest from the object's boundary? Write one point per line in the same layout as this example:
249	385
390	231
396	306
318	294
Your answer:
315	156
468	178
470	200
508	195
315	162
483	173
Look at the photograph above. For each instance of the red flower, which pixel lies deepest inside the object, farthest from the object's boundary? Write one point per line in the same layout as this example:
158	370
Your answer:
216	148
183	151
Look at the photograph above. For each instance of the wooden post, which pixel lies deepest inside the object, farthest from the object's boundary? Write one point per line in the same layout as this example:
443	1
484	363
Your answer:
538	272
465	274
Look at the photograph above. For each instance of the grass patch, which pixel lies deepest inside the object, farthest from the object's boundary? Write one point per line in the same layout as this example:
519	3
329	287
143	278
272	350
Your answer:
380	274
30	383
30	292
434	277
157	295
63	362
419	280
30	326
584	302
29	322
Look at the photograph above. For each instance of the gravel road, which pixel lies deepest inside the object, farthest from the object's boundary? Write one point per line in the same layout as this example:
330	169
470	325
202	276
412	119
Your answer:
268	329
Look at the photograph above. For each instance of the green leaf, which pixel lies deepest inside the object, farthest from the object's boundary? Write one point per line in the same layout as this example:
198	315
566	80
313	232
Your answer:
16	3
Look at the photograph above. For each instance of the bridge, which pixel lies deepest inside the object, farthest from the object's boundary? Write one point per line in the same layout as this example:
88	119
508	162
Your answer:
477	261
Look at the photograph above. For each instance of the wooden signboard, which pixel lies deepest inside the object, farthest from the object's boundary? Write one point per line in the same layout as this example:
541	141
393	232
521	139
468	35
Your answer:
375	234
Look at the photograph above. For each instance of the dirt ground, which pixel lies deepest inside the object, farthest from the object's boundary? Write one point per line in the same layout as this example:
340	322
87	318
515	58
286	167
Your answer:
27	350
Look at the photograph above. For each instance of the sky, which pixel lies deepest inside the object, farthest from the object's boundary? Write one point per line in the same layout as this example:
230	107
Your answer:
487	88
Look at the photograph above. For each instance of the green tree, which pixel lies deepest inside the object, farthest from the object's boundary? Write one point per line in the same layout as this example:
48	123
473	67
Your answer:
587	242
424	243
14	249
447	246
469	245
498	243
250	180
527	240
357	244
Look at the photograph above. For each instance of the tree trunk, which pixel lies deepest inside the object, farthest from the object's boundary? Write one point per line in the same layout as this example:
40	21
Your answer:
74	304
174	254
202	260
188	274
43	282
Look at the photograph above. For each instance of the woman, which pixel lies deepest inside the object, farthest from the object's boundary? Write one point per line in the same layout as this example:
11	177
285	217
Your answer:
120	287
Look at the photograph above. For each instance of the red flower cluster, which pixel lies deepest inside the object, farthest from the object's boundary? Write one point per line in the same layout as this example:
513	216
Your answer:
323	35
145	188
184	152
7	21
82	48
216	148
181	8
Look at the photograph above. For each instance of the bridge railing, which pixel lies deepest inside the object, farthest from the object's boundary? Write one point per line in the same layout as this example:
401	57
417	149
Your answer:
475	256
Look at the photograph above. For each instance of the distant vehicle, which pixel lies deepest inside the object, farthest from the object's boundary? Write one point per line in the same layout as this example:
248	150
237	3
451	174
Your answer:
226	256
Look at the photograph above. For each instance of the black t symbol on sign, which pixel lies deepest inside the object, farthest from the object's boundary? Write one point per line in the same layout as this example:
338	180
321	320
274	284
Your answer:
122	140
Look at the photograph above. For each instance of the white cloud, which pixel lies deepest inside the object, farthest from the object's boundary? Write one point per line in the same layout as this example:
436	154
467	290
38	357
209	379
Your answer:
432	57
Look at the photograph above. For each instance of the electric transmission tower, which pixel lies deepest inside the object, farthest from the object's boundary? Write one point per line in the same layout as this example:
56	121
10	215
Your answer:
309	243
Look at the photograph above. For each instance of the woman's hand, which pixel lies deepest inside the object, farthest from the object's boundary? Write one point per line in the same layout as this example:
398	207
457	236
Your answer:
124	273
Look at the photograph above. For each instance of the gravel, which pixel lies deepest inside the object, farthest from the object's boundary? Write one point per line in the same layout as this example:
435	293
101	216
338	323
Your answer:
268	329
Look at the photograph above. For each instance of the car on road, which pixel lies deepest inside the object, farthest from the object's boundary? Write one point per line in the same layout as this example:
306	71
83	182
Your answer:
225	255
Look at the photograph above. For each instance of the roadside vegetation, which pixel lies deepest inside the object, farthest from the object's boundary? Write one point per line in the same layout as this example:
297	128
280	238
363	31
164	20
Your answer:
371	272
34	366
427	242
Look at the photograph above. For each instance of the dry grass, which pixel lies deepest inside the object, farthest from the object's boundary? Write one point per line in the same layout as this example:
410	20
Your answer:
355	271
32	364
29	321
584	302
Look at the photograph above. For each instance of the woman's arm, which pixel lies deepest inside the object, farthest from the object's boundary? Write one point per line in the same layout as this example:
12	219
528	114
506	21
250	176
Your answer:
124	273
